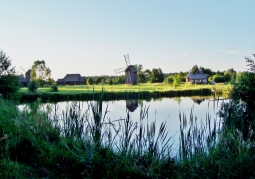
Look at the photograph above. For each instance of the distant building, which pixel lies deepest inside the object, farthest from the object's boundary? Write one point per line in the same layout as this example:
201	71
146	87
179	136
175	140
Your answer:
24	81
198	77
71	79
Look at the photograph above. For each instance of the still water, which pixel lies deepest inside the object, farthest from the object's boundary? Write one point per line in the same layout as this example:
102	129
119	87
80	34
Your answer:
159	110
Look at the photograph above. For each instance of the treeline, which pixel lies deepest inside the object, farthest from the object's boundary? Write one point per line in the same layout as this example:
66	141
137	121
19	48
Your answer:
156	75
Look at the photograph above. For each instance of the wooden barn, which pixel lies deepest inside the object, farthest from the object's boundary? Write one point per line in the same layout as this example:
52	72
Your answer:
198	77
71	79
131	75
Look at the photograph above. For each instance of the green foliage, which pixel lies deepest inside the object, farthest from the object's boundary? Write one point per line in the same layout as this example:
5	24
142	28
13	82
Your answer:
54	88
218	78
40	72
141	78
157	75
32	86
177	81
169	80
99	80
194	69
90	81
251	63
244	87
5	64
9	83
229	75
110	82
120	79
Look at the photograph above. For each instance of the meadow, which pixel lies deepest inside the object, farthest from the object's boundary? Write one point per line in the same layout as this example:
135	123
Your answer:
123	91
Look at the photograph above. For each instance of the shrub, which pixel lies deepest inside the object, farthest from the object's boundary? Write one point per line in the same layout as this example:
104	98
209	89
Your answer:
89	81
54	88
169	80
32	86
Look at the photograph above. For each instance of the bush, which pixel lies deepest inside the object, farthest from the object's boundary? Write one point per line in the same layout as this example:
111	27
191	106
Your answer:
89	81
9	84
169	80
54	88
32	86
110	82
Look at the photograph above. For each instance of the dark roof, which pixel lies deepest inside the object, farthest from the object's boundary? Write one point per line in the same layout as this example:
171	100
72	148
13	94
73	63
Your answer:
198	75
131	68
60	80
73	77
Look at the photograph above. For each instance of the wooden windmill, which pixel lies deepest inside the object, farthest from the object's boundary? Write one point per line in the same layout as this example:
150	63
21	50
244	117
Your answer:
130	72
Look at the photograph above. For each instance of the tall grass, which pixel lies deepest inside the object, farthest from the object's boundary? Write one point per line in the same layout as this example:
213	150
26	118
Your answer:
84	143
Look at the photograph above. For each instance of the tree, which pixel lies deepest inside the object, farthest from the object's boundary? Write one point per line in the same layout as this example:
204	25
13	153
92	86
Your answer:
110	82
169	80
251	63
40	72
5	64
177	80
9	82
194	69
157	75
89	81
141	78
32	86
139	68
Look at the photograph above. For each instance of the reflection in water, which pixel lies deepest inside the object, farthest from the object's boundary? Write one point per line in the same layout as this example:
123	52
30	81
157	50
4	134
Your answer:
132	105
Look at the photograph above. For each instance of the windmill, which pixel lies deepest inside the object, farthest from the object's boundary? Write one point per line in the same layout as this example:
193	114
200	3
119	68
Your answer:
130	72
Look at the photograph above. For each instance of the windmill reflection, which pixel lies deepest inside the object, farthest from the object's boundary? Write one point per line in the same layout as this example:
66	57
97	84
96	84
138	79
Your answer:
132	105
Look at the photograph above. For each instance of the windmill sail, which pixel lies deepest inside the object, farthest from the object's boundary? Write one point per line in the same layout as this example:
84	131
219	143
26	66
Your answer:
119	70
127	59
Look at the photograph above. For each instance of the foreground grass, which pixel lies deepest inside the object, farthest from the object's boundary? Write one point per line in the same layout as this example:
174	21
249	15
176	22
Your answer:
34	145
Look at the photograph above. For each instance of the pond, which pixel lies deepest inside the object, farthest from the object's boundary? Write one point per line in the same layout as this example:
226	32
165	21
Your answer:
178	113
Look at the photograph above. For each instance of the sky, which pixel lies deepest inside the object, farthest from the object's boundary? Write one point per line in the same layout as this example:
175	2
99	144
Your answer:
92	37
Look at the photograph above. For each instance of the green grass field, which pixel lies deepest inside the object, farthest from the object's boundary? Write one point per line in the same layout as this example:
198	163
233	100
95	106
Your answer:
148	87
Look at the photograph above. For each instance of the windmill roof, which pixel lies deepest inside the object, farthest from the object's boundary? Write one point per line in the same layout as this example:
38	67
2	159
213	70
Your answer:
131	68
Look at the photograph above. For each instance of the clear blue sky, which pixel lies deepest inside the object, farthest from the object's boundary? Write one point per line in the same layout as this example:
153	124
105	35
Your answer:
91	37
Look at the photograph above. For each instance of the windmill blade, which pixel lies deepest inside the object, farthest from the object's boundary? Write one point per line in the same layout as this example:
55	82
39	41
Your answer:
22	69
127	59
120	70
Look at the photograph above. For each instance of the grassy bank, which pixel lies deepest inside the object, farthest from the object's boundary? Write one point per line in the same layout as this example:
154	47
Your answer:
79	144
86	92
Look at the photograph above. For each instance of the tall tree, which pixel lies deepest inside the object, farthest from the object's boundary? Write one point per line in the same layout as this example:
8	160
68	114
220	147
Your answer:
251	63
157	75
40	72
194	69
8	80
5	64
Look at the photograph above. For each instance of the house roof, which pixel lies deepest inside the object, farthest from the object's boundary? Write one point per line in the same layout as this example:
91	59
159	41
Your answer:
73	77
60	80
198	75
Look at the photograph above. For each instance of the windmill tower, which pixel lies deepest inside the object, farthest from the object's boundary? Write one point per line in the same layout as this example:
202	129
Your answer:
130	72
